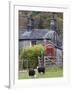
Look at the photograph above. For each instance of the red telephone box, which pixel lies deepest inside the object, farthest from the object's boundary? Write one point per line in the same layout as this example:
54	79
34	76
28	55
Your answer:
49	51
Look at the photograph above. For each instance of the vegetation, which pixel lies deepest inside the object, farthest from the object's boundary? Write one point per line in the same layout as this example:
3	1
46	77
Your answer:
29	56
50	72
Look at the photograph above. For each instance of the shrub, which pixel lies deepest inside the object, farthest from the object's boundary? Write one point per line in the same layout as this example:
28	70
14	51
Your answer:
30	55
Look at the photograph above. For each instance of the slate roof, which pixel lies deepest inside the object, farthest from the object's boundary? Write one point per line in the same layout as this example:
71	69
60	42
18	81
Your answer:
40	34
36	34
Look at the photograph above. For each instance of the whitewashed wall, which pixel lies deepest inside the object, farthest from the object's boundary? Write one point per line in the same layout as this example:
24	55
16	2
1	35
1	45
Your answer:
24	44
59	57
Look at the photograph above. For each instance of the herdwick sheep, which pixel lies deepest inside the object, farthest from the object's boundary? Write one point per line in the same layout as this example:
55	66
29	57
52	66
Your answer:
31	72
41	69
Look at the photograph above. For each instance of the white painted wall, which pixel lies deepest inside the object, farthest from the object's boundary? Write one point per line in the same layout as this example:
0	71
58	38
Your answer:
24	44
58	57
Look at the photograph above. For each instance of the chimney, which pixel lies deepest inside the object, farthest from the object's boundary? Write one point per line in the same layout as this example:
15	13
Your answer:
30	23
53	23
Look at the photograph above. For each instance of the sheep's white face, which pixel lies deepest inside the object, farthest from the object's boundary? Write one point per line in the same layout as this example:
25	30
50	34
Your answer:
37	67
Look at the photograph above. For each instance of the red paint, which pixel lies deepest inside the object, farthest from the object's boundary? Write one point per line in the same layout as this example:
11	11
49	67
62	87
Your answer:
49	51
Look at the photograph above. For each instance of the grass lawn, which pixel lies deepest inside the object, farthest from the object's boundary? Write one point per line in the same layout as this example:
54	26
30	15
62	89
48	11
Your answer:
49	72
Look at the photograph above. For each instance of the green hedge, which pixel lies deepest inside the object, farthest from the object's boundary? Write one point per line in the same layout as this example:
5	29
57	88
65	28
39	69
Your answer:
29	56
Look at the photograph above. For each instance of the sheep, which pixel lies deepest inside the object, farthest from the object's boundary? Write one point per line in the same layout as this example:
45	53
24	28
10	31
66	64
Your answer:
41	69
31	72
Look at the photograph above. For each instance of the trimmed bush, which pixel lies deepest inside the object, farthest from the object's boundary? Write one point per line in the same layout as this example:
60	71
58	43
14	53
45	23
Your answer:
29	55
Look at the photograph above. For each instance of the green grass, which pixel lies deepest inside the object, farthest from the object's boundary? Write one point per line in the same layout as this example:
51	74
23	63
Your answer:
49	72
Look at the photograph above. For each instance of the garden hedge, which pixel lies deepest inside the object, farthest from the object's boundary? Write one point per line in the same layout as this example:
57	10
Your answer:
29	56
